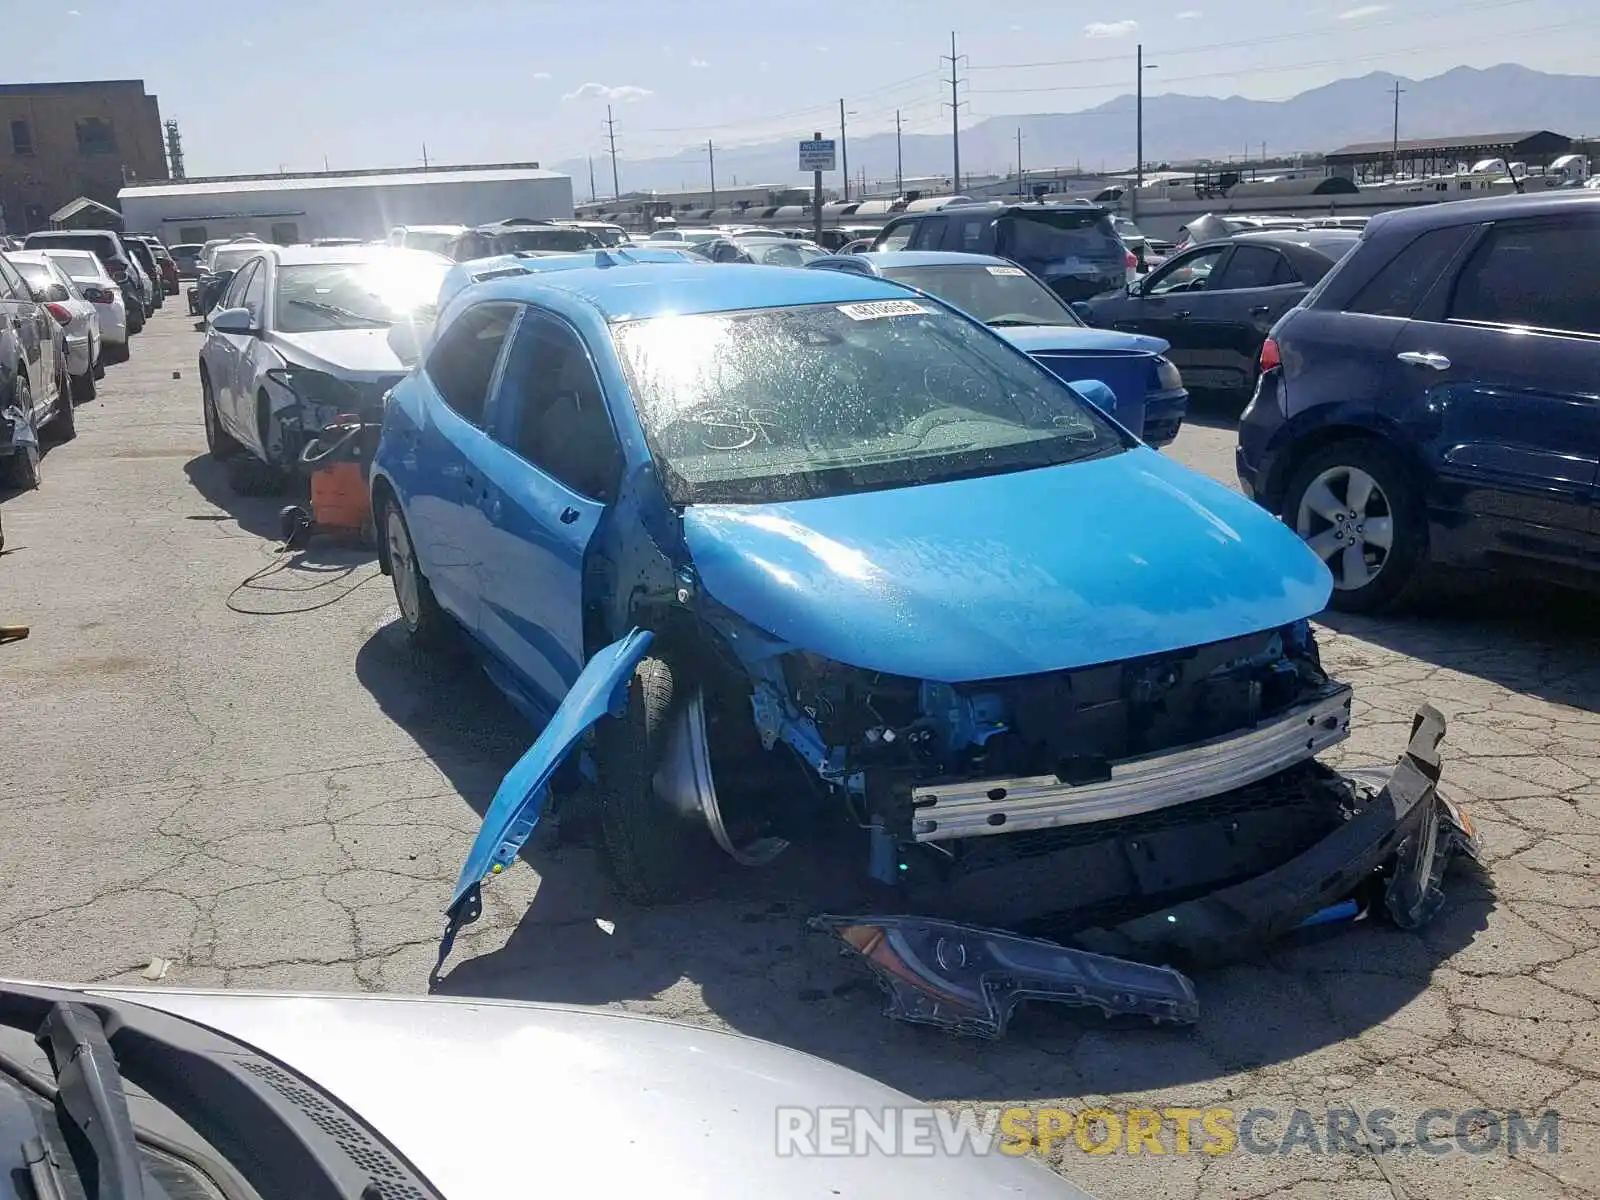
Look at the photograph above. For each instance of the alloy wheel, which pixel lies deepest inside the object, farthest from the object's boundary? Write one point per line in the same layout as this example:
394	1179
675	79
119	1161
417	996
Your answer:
403	568
1346	518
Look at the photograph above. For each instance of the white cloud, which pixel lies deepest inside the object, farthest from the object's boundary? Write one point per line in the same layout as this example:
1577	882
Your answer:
698	63
1363	10
1189	14
1110	29
622	93
72	12
541	75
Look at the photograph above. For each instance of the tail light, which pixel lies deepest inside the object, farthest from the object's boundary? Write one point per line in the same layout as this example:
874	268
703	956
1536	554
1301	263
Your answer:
1131	260
60	312
97	295
1271	357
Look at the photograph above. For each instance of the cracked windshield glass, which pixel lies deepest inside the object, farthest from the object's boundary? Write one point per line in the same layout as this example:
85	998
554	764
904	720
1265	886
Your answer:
854	600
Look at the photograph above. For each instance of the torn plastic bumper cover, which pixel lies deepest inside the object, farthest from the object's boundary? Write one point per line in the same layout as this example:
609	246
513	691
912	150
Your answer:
970	980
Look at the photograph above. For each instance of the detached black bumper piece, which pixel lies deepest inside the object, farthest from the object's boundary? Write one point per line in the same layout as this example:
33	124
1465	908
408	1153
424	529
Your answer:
969	979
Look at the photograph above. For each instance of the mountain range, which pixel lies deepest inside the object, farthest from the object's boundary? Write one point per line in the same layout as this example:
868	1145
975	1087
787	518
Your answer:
1461	101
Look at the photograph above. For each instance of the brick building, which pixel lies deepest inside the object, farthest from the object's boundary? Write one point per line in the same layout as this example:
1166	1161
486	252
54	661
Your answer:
59	141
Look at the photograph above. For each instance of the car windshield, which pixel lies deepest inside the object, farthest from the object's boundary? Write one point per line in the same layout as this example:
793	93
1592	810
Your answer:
557	237
1062	243
39	277
314	297
995	294
232	260
97	244
786	252
79	264
830	399
436	240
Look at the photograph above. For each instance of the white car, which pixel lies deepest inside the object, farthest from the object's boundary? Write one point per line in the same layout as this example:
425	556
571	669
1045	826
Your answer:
95	284
78	318
299	338
437	238
424	1098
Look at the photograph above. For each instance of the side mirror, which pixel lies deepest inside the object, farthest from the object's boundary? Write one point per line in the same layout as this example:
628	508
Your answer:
238	321
1083	311
1136	287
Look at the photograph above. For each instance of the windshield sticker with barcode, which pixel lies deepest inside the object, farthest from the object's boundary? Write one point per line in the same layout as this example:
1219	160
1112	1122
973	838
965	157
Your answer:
1006	271
883	308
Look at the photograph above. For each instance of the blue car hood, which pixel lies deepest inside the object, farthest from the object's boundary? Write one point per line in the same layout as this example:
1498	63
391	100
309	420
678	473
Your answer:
1034	571
1034	338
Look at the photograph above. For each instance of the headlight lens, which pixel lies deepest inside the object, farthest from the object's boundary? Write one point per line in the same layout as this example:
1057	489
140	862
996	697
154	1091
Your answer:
1168	377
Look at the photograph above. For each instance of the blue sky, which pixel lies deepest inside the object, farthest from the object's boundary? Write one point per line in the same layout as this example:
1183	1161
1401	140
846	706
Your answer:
362	83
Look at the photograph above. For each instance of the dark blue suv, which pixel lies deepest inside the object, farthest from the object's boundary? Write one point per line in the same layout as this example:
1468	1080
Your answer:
1436	399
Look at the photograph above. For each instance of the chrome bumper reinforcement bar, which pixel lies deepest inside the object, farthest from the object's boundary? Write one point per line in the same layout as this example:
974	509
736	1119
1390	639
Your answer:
974	808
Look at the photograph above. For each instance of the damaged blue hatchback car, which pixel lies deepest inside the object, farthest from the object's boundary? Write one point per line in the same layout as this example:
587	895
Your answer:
779	554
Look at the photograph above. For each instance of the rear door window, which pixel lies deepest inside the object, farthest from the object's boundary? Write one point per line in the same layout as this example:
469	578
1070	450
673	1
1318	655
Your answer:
1252	267
462	364
1399	286
967	234
1540	274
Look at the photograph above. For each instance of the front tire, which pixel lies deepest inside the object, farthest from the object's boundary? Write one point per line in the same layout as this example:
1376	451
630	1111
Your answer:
63	425
22	469
1358	505
426	624
654	854
83	389
221	445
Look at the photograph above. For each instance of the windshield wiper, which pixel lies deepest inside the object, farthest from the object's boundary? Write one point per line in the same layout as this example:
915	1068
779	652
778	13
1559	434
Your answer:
89	1090
334	310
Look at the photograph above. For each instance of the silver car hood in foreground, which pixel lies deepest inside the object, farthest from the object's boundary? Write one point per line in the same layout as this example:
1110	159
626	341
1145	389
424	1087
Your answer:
499	1099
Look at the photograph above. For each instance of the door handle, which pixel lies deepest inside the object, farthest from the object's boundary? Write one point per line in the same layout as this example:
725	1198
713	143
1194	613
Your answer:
569	515
1418	358
1257	310
468	481
1181	314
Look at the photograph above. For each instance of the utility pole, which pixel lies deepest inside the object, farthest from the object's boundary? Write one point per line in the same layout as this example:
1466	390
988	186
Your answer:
955	117
592	196
816	196
611	137
711	161
1394	149
1019	162
899	162
1140	68
424	156
844	152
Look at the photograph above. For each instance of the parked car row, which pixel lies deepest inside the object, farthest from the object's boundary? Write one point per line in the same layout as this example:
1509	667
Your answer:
63	317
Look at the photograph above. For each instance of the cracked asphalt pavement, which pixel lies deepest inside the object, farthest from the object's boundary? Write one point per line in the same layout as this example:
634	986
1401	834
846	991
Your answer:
282	801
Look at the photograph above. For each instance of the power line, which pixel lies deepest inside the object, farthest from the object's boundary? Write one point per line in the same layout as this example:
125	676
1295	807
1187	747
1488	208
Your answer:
1251	43
1344	60
810	110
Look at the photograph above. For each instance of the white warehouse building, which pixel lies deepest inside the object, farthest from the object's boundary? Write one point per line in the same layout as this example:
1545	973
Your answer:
359	204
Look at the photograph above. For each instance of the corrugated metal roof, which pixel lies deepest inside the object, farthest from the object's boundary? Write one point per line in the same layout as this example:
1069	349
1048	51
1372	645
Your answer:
1465	143
83	204
236	184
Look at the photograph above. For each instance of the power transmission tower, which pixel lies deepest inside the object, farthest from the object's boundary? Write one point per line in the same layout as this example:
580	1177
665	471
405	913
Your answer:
174	149
955	114
611	138
899	162
1394	149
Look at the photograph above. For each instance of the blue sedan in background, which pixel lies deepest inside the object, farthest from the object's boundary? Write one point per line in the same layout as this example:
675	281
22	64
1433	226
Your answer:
1150	396
782	553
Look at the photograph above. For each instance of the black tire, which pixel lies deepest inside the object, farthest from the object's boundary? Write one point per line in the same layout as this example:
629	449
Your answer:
427	625
219	442
654	855
83	389
99	368
22	469
114	352
1397	576
63	426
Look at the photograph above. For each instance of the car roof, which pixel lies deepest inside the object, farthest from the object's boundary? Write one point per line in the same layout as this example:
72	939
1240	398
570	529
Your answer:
1330	242
880	259
431	228
288	256
1484	208
1006	206
624	291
